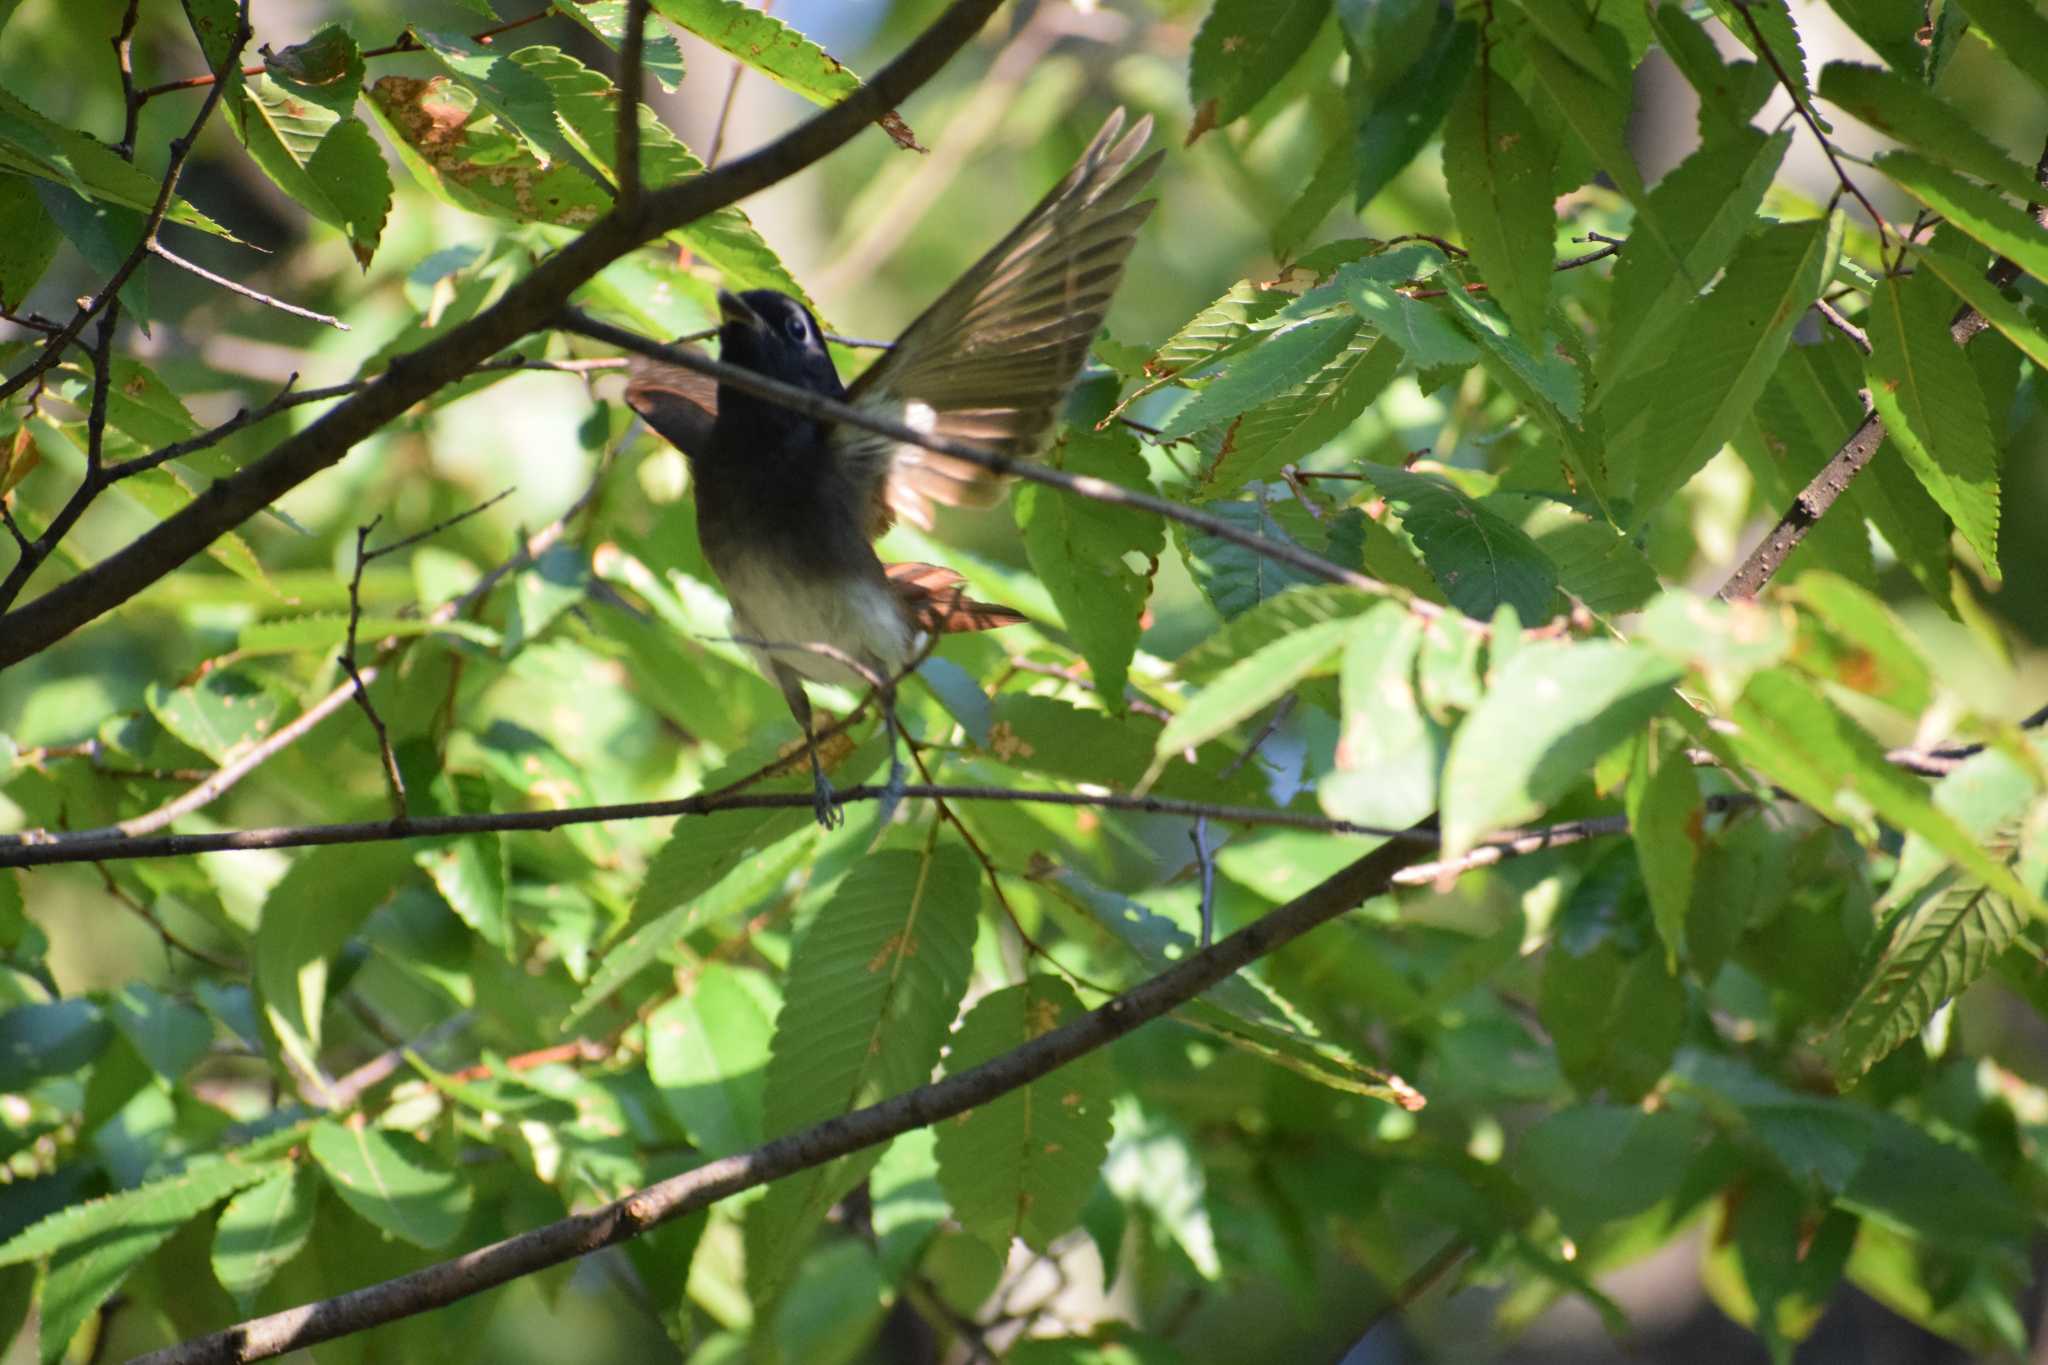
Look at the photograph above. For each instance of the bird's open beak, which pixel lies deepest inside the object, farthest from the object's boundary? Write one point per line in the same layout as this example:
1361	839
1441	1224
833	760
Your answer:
733	308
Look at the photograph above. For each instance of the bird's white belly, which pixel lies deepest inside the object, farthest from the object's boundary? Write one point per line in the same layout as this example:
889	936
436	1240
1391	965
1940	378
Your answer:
856	616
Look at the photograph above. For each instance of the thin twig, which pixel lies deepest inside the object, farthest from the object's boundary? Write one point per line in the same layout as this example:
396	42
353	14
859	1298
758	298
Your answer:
725	106
163	931
164	253
500	1262
632	76
394	781
181	148
1101	490
1833	479
347	1091
1833	317
1205	871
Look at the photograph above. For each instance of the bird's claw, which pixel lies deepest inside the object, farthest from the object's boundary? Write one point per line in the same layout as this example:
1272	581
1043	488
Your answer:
892	790
825	805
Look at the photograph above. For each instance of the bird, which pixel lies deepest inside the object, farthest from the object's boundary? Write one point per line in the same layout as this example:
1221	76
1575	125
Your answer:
789	507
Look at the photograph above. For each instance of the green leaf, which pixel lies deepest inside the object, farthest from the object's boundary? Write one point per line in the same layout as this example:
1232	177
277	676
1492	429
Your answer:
1666	817
1614	1013
1972	209
586	104
327	632
393	1180
660	55
33	145
1423	333
1082	550
1773	19
162	492
1551	711
49	1039
1296	424
1664	425
1217	331
1891	27
225	713
1385	37
1594	1163
1792	734
2018	30
766	44
707	1052
1248	686
475	160
1233	577
1731	93
308	915
1932	407
1546	380
261	1229
1911	113
1399	122
1268	620
169	1035
1702	207
1497	162
1021	1166
1859	644
1962	275
1282	361
1388	752
1479	559
1946	934
871	991
1046	735
151	1212
28	240
1240	53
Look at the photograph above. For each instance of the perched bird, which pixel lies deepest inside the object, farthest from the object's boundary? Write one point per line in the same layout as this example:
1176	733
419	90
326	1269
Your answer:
788	507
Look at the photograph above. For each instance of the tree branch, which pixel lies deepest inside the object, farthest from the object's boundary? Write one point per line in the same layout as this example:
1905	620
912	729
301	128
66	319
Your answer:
507	1260
631	81
1834	477
1101	490
527	305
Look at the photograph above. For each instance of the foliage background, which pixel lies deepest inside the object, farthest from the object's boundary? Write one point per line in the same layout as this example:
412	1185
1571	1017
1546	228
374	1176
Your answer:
1255	1213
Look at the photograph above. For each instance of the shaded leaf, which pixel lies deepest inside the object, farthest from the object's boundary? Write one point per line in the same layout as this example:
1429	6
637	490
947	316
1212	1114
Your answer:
393	1180
1497	162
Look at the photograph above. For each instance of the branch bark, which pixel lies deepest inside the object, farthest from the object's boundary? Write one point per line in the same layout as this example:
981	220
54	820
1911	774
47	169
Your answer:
528	305
501	1262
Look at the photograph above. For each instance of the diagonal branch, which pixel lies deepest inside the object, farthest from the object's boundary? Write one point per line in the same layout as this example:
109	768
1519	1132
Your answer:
529	304
507	1260
1822	491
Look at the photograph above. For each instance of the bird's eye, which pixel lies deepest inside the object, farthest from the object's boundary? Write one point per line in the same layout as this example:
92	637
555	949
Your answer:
794	326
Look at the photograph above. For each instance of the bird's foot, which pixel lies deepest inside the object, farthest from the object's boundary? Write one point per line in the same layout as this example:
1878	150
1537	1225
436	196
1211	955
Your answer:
824	804
892	790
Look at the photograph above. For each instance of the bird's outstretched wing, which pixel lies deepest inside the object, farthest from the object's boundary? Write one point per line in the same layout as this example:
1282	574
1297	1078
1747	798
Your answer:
992	360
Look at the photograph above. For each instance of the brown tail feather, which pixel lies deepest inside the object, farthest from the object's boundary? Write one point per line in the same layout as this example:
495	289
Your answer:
936	600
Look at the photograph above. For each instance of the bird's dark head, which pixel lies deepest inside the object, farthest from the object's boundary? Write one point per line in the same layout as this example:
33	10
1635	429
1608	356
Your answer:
774	335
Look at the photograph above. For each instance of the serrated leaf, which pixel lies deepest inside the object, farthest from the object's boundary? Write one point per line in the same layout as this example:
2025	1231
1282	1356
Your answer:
474	160
1891	27
1021	1166
1703	206
1790	732
1240	53
1773	18
1398	121
1233	577
1479	559
766	44
1596	563
1551	711
1665	817
1972	209
1962	276
1047	735
327	632
1912	114
34	145
1248	686
262	1228
1933	409
393	1180
1663	425
707	1053
1497	162
1079	548
1283	613
1614	1013
1210	335
1423	333
586	104
1295	424
1854	640
1388	752
1731	93
156	1209
1947	931
1546	379
660	55
872	988
1274	365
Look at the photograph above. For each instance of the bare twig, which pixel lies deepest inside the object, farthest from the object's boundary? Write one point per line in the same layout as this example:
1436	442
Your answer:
444	1283
394	781
1507	846
732	94
170	940
181	148
528	304
164	253
347	1091
1205	871
1833	317
1101	490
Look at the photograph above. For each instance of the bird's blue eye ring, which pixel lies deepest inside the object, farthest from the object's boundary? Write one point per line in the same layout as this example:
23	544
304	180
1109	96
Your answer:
794	325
